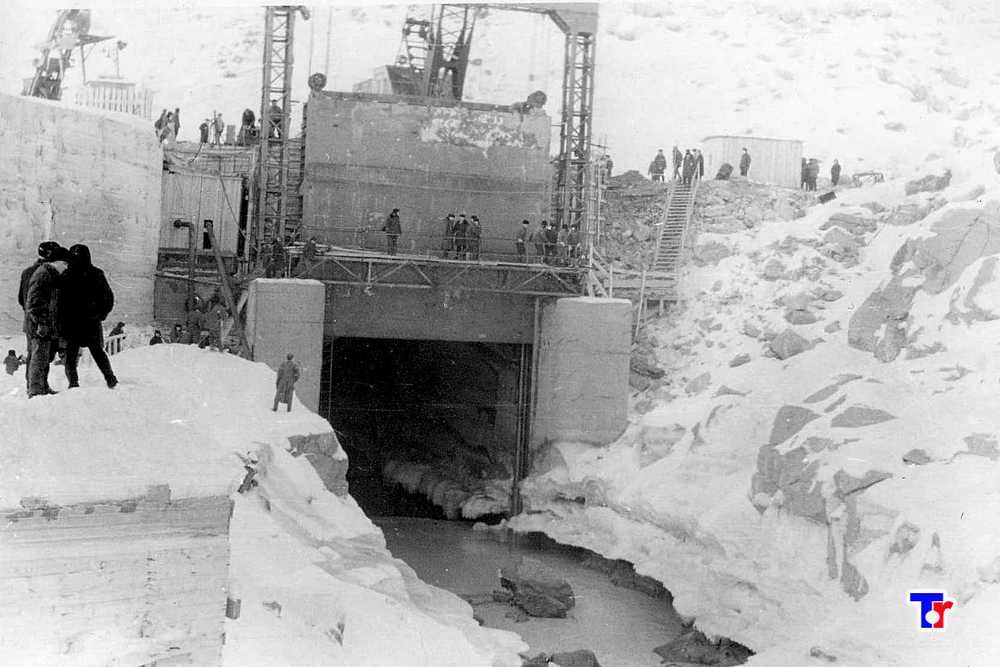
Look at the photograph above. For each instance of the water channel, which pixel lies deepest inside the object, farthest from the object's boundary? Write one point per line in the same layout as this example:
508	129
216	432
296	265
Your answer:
620	625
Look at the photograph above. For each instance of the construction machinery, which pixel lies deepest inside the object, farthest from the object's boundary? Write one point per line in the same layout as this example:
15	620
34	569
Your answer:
70	30
435	49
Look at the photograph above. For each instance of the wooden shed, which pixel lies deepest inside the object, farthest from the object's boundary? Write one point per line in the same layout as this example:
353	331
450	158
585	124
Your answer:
773	161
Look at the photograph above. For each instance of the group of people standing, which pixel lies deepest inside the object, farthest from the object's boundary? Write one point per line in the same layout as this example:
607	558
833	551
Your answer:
65	300
168	126
810	173
688	166
462	237
249	133
559	247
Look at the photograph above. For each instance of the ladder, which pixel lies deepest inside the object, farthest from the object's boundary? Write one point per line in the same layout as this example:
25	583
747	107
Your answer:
675	227
274	188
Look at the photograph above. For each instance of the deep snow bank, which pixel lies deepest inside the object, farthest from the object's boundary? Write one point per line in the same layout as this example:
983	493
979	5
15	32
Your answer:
825	441
316	582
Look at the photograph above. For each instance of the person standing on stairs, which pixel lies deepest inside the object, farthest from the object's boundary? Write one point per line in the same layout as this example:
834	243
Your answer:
687	169
678	162
658	166
745	163
699	164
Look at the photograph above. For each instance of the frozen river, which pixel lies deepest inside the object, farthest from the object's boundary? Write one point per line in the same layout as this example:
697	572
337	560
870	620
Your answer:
620	625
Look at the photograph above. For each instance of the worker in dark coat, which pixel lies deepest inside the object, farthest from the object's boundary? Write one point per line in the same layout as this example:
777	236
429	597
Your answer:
745	163
475	237
42	323
288	375
573	245
551	243
678	162
805	175
521	241
448	244
157	338
835	173
658	166
699	164
538	240
85	301
393	229
12	362
687	169
460	234
46	251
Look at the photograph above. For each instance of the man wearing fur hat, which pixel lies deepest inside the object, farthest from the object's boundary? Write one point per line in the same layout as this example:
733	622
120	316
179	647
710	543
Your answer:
41	309
46	250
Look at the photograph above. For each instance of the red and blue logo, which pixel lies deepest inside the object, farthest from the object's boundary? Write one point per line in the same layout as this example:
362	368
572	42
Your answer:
932	608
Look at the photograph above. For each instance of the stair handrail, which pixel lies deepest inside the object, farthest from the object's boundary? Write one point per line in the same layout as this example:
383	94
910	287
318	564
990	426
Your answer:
688	215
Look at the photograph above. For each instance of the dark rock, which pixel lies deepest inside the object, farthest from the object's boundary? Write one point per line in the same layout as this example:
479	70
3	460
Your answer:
849	484
739	360
832	327
694	647
794	476
820	654
537	590
929	183
854	224
790	420
774	269
581	658
858	415
917	457
800	317
831	295
788	344
982	444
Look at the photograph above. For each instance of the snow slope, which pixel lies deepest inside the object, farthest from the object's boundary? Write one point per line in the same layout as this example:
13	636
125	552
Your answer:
317	585
791	501
879	85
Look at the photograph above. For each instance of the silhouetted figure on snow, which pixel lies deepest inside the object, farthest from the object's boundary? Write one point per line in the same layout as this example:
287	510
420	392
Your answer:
288	375
745	163
835	173
85	299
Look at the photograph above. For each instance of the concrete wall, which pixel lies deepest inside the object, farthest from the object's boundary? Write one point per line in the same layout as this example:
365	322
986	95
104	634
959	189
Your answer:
773	161
286	316
416	314
366	155
195	196
77	175
581	391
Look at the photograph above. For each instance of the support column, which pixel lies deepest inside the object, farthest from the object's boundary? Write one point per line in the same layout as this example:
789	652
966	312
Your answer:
583	366
286	316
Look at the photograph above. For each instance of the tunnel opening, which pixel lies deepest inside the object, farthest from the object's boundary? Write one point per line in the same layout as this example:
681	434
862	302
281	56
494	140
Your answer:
432	428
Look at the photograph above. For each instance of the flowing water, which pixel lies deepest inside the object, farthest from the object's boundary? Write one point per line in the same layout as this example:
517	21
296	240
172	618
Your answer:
620	625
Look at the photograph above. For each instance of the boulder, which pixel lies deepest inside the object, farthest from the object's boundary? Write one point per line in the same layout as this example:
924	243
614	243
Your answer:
698	384
929	183
537	590
789	421
695	648
788	344
580	658
916	457
739	360
774	269
854	224
857	416
800	317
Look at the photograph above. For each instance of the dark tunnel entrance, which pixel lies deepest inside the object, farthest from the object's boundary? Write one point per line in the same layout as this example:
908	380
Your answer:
432	428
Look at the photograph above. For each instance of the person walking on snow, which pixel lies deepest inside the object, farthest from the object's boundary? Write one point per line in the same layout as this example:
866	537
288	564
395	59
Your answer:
393	229
835	173
12	362
745	163
85	300
41	305
288	375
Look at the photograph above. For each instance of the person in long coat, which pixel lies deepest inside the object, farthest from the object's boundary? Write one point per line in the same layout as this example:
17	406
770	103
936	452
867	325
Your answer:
288	375
475	238
46	250
521	241
745	163
85	300
835	173
688	167
393	229
699	164
41	323
538	241
460	234
448	243
678	162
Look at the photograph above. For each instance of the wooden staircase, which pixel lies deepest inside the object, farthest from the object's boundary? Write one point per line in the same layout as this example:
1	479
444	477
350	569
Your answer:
658	284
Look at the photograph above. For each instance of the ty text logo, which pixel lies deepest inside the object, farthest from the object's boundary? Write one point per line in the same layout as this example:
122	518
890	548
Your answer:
932	608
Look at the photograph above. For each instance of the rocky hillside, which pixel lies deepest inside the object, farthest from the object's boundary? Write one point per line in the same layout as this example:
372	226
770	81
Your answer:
822	439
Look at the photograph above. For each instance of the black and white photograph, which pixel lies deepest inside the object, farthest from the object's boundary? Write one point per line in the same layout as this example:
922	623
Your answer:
516	334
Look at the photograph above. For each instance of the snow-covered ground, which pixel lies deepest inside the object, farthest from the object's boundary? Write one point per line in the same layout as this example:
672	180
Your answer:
316	583
825	439
879	85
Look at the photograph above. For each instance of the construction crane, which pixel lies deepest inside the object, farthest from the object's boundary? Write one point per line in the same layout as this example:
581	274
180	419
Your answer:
70	30
436	49
272	181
